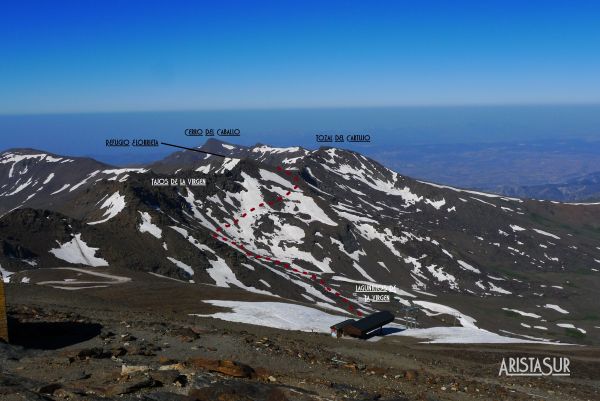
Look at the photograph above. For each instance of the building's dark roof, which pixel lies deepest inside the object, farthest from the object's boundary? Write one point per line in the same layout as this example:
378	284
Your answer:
373	321
343	324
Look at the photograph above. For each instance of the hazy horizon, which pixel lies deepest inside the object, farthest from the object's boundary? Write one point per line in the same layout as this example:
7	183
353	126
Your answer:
479	147
84	134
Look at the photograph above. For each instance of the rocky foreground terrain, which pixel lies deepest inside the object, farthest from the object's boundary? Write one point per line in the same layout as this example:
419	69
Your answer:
137	341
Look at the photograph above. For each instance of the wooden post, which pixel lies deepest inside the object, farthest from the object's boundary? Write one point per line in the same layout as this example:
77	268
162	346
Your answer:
3	323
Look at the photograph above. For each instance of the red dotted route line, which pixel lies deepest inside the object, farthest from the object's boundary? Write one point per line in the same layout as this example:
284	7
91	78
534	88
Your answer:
220	235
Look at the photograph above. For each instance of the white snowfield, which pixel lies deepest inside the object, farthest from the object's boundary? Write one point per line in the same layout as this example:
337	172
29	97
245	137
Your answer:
228	164
547	234
61	189
77	251
186	268
84	181
204	169
465	266
464	335
498	289
436	204
281	242
269	149
147	227
220	166
222	274
526	314
114	204
288	316
119	171
279	315
19	188
5	274
439	309
389	187
276	178
556	308
48	179
570	326
16	158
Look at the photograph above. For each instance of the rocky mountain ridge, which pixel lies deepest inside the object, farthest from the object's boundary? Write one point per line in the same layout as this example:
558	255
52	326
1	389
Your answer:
308	226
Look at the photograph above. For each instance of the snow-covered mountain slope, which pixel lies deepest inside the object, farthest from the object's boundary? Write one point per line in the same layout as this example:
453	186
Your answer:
32	178
312	229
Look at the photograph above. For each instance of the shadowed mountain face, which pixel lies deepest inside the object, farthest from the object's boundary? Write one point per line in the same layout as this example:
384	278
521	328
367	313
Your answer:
309	226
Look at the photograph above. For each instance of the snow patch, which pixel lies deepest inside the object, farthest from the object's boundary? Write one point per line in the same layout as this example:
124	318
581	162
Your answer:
441	276
498	289
82	182
147	227
5	274
268	149
20	187
228	164
545	233
48	179
222	274
570	326
462	335
436	204
556	308
278	315
61	189
465	321
527	314
187	268
77	251
465	266
114	204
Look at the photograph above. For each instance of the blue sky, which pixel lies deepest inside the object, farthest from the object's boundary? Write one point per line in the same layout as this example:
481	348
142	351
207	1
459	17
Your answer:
113	56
